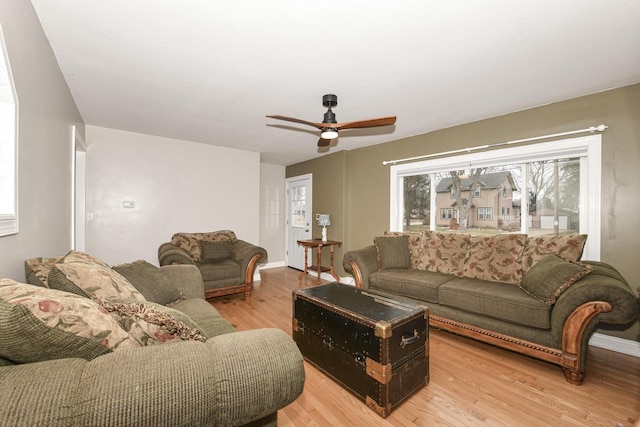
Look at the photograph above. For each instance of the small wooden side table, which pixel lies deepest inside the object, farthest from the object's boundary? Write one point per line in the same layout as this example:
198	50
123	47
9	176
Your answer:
318	244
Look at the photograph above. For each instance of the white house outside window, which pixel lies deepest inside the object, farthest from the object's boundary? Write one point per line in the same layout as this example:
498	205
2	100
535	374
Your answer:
8	146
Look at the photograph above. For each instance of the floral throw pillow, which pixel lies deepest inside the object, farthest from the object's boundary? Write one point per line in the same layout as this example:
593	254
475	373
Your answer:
567	246
151	324
82	274
443	252
42	324
37	270
190	242
496	258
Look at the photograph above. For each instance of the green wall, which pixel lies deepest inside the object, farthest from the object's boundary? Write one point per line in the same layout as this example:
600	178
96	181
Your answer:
363	194
329	196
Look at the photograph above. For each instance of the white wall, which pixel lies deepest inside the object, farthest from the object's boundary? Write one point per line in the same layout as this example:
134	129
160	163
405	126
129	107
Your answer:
47	113
177	186
272	212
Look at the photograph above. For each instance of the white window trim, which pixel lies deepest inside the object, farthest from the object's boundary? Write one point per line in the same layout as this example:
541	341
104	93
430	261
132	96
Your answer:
588	148
9	222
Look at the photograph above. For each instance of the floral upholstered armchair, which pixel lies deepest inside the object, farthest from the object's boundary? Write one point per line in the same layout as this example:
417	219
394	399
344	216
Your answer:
226	263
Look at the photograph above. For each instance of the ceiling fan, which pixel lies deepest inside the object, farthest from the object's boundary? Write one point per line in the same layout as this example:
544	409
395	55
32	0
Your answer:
330	127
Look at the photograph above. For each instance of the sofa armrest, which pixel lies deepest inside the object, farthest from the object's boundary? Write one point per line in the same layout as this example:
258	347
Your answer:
230	380
598	286
602	296
185	278
360	264
169	254
244	253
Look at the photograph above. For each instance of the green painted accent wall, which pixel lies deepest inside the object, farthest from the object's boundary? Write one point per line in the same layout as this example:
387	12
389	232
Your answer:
356	185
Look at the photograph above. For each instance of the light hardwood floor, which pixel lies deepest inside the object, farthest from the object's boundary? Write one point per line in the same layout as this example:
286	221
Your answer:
471	383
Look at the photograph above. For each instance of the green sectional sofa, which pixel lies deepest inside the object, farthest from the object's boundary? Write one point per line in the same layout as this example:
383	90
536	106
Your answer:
527	294
83	344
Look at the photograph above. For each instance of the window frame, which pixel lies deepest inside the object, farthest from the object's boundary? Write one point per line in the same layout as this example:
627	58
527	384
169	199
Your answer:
9	220
588	148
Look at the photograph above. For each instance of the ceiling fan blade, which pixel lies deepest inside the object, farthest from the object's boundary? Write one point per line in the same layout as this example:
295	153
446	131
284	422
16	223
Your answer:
370	123
293	119
324	142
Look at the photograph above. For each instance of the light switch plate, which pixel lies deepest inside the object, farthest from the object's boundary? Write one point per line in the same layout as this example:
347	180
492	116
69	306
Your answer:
128	204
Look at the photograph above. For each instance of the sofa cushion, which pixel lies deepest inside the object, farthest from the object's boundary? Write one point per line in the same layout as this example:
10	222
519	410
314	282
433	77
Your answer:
42	324
224	270
85	275
444	252
567	246
37	270
497	300
216	251
210	322
551	276
393	251
190	242
150	281
418	284
414	240
149	324
496	258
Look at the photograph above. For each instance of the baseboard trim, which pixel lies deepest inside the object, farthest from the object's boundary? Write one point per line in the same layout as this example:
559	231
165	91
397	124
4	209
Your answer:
256	274
620	345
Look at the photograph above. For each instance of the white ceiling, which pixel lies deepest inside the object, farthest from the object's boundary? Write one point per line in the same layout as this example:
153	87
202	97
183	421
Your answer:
209	71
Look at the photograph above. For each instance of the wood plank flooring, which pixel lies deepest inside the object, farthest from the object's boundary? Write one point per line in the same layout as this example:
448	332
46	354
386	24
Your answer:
471	383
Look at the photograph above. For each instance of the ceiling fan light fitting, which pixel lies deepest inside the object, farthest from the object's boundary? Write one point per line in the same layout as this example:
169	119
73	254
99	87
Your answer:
329	133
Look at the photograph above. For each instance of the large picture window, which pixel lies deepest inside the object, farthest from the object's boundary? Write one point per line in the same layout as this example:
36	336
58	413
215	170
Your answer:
8	146
538	189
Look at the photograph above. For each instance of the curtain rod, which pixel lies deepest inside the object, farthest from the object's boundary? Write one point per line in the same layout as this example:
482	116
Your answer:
592	129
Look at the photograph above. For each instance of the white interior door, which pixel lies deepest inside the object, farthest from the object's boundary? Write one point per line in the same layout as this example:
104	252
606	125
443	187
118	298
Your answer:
298	190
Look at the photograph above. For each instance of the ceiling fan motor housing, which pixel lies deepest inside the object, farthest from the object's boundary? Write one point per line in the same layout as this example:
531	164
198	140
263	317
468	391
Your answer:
329	101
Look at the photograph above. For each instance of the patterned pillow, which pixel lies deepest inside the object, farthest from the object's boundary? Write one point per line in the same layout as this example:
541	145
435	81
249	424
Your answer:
81	274
42	324
150	281
151	324
495	258
37	270
567	246
190	242
551	276
443	252
393	251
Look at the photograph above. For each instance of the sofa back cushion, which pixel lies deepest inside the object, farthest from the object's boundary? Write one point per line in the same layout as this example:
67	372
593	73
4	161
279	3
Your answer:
82	274
190	242
40	324
496	258
393	251
150	281
443	252
216	251
567	246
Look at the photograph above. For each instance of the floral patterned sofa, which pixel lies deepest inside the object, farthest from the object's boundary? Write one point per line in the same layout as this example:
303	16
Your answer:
532	295
226	263
83	344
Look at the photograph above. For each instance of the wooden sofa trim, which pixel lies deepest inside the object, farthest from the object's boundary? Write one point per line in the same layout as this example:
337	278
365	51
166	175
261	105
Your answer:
569	357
